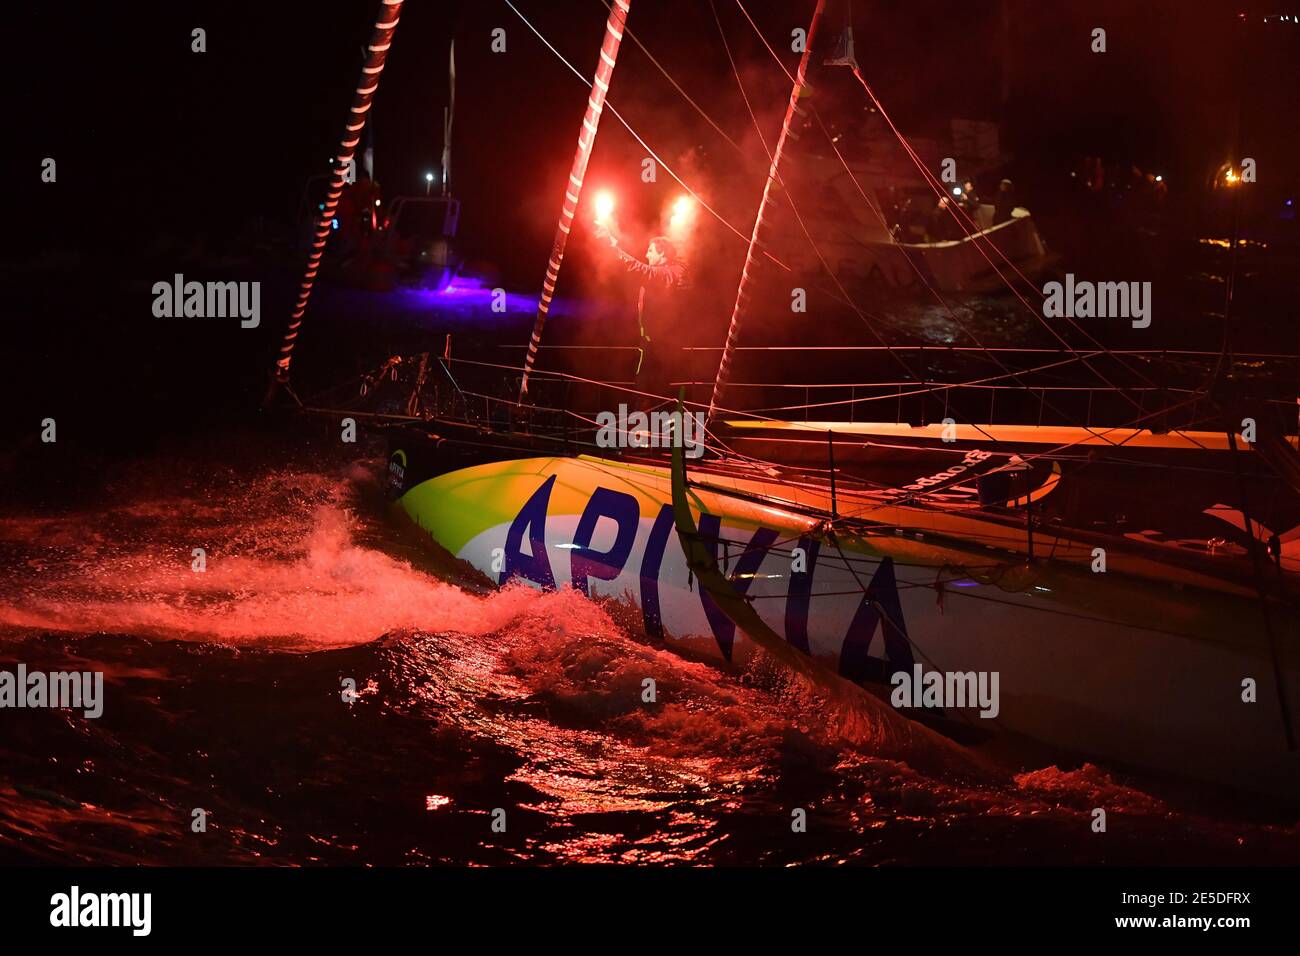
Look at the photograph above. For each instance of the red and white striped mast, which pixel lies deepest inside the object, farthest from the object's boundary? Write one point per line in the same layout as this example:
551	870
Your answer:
614	27
761	222
381	39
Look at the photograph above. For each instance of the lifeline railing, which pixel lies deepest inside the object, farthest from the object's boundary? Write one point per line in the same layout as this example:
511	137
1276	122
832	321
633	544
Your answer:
480	394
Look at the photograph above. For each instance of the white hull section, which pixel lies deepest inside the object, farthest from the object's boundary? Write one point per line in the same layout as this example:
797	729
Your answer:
1142	672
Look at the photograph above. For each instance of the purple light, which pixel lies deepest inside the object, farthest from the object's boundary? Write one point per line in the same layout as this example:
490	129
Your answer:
466	297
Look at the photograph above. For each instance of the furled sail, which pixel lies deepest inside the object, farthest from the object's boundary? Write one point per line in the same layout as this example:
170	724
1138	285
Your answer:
761	221
614	27
381	40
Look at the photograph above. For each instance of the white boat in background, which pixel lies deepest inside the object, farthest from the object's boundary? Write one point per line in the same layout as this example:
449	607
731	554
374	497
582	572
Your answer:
858	242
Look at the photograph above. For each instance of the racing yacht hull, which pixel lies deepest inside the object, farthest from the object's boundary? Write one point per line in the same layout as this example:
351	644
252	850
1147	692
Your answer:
1131	659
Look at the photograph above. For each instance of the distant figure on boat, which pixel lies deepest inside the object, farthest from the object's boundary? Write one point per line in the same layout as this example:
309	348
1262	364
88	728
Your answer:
943	222
358	215
1004	202
662	275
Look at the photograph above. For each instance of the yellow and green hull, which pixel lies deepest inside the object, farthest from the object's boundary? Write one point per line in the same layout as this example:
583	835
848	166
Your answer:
1142	663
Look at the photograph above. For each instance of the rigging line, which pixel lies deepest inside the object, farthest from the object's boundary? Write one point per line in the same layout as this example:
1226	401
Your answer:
880	216
895	396
852	476
576	378
713	440
934	185
568	376
1252	547
1049	455
601	80
677	86
1034	456
926	173
757	415
610	106
1225	349
797	91
789	195
1280	356
897	133
644	145
938	190
1072	459
974	232
987	380
969	333
971	383
696	196
376	54
699	109
902	383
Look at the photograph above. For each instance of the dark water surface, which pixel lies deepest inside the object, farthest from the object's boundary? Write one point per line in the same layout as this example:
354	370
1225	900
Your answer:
223	692
223	688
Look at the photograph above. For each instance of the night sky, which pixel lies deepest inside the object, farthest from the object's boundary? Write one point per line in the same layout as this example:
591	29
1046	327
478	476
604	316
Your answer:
154	141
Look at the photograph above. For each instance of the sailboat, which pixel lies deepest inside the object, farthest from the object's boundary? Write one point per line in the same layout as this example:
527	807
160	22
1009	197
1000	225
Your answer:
862	244
861	240
931	553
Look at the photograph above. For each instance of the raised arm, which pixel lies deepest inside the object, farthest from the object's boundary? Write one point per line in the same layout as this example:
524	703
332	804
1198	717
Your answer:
667	276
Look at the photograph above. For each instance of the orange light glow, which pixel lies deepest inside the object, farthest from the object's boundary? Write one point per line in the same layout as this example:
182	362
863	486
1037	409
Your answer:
604	206
682	218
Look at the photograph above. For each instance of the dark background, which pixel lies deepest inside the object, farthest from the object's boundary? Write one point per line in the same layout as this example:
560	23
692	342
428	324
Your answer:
167	156
153	140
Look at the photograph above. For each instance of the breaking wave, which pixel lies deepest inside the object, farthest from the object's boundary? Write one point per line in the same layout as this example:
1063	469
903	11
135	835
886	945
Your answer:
226	694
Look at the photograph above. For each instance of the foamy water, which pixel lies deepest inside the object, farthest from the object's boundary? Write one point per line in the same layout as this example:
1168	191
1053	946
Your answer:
297	576
224	693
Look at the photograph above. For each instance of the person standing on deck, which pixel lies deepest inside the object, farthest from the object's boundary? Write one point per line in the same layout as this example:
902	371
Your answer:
662	275
1004	202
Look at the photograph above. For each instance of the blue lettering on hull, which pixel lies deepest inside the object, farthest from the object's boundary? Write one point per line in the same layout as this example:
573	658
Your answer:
879	609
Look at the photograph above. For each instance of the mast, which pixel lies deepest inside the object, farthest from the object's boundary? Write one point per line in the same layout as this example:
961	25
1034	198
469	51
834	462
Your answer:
614	27
381	38
368	154
448	117
760	223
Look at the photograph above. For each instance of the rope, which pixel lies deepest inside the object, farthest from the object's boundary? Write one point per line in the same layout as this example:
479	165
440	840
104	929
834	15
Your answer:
934	185
381	39
614	26
742	291
678	87
644	145
1010	373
